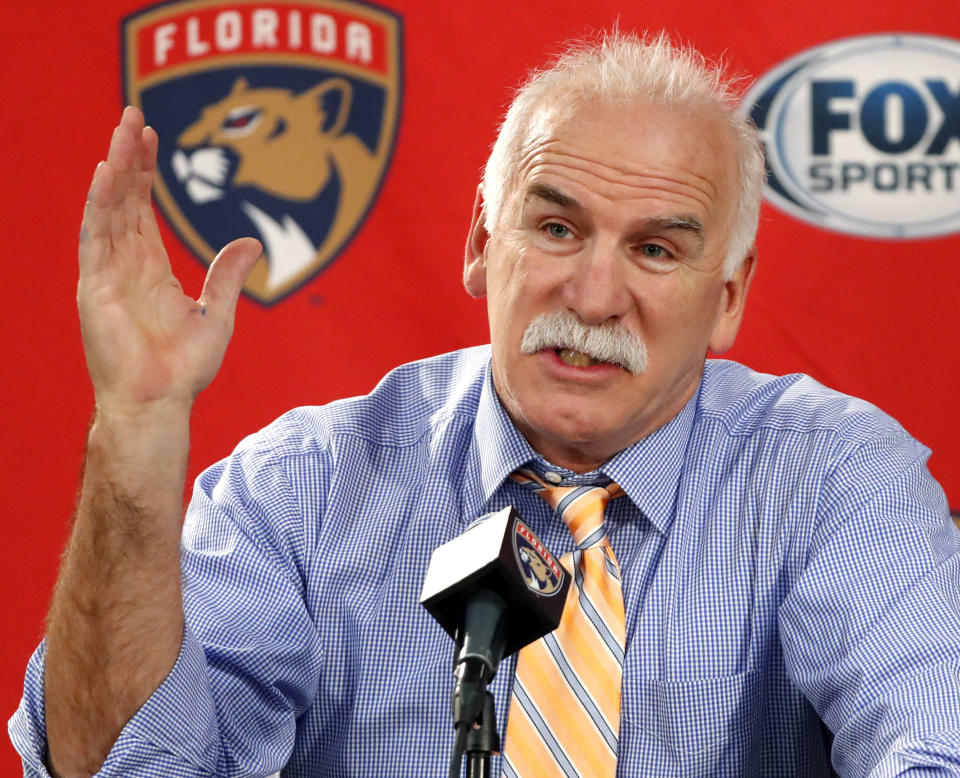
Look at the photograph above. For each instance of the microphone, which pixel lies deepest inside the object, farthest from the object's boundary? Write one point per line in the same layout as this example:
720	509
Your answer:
493	589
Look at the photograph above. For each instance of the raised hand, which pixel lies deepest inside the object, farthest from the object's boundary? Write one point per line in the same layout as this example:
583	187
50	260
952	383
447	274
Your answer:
147	342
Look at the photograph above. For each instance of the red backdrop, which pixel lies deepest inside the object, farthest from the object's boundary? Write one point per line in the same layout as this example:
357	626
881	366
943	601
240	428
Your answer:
871	317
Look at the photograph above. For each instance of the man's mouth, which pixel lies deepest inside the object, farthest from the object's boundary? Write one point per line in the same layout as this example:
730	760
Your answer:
575	358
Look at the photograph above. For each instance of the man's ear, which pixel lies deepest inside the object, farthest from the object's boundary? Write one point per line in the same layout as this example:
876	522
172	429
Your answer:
475	259
733	301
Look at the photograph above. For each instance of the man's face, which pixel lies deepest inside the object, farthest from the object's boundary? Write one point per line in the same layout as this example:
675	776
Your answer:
619	217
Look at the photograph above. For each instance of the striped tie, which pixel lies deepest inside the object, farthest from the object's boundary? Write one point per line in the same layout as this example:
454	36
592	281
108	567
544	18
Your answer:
564	715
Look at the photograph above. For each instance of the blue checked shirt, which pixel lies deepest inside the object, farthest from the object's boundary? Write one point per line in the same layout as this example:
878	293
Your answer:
787	559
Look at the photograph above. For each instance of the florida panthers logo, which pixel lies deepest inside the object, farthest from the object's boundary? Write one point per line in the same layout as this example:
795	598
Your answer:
540	570
277	123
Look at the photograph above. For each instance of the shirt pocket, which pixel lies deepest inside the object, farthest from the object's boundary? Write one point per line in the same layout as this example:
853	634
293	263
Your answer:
699	726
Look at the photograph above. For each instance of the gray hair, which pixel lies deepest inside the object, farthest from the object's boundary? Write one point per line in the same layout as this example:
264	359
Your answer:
624	67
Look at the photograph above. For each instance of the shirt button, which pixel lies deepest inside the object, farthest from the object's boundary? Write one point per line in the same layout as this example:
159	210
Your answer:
553	478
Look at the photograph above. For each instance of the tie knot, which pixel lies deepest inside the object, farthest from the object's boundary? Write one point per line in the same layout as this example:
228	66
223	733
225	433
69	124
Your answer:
580	507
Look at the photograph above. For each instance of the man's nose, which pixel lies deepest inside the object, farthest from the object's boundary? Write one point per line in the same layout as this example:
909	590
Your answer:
596	289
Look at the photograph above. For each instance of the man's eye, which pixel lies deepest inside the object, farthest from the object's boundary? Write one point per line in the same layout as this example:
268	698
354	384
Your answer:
557	230
654	251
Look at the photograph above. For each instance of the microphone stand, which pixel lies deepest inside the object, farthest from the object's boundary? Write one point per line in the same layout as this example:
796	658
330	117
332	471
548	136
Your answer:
474	715
483	741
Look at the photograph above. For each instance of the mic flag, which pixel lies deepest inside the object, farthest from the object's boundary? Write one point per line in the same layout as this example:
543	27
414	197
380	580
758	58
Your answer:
498	554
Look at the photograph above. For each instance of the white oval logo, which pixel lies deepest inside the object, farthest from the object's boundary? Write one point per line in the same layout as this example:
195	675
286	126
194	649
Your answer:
863	135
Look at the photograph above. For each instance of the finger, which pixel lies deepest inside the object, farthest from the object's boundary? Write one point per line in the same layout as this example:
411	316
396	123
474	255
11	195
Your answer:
123	143
148	162
120	162
95	228
149	142
100	194
146	218
124	153
227	274
130	192
133	119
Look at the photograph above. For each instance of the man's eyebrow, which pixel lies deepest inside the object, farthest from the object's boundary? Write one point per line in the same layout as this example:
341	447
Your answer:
552	195
688	224
676	223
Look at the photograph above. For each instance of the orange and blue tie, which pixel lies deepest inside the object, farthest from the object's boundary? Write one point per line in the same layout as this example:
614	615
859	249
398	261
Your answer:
564	717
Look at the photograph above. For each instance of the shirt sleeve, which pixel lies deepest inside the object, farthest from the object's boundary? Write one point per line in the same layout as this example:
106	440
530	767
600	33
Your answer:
871	628
183	697
250	657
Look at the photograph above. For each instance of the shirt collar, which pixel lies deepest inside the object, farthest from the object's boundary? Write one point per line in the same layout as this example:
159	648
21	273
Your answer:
649	470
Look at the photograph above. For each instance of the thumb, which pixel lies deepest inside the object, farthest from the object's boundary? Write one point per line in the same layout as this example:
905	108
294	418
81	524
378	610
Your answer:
227	273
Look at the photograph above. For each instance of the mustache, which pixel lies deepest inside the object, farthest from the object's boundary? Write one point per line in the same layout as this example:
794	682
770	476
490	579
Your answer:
609	342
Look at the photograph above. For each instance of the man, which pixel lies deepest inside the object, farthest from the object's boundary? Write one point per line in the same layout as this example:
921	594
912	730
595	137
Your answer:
786	559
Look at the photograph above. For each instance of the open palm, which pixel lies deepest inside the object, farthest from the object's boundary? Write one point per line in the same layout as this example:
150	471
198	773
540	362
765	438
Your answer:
146	341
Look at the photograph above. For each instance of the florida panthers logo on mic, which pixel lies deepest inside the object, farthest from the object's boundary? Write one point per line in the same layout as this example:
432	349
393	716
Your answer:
276	121
540	570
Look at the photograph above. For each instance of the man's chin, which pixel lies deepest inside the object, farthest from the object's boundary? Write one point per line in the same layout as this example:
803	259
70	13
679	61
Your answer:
573	436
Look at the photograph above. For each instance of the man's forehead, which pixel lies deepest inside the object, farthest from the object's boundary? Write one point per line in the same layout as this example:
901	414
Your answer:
599	119
633	145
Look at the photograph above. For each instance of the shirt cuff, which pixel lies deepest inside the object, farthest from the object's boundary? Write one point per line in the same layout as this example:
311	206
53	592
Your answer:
174	733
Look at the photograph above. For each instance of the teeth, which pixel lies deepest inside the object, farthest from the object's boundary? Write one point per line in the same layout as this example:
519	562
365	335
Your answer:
576	358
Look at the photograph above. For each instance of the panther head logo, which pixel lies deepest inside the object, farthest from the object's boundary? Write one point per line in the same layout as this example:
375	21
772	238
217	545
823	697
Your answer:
289	149
535	571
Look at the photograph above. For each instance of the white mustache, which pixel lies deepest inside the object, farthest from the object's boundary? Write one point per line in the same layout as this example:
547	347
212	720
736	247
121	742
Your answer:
605	342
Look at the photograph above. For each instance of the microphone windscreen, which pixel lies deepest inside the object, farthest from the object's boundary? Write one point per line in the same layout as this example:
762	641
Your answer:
499	553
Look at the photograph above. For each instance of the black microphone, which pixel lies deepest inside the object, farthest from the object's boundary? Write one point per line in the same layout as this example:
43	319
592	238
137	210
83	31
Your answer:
493	589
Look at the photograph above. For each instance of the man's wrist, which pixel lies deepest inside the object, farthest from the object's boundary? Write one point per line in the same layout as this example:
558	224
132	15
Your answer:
142	415
140	450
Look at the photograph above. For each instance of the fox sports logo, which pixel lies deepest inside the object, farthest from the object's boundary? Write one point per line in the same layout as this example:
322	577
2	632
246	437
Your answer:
863	135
